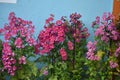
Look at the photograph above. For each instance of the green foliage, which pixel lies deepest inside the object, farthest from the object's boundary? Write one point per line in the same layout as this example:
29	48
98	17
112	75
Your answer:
25	72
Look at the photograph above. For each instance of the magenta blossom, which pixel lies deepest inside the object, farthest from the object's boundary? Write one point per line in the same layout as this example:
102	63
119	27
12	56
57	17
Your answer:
113	64
8	59
91	51
106	30
18	28
31	41
70	45
97	20
45	72
18	43
63	54
22	60
117	52
50	19
51	35
59	22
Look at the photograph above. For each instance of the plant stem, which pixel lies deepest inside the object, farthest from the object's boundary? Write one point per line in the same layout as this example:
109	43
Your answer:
113	76
74	51
74	54
52	62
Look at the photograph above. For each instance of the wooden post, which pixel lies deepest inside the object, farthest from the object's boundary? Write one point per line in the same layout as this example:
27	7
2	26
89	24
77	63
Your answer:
116	13
116	9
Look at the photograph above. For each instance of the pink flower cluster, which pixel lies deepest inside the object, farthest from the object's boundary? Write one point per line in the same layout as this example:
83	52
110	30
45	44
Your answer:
70	45
52	34
117	51
45	72
55	34
8	59
91	51
63	53
113	64
96	22
106	30
74	17
1	31
22	60
76	28
18	43
18	28
50	19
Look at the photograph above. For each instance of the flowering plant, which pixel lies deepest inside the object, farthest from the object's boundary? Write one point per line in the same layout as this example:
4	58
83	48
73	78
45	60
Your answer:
62	45
18	46
2	75
103	53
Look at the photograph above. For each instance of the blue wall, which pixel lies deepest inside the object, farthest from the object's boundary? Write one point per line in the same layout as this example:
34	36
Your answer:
38	10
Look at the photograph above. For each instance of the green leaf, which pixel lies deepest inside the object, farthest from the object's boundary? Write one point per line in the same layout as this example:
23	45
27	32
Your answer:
50	66
53	78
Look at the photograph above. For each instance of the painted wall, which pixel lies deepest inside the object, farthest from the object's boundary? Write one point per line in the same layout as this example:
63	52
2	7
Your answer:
38	10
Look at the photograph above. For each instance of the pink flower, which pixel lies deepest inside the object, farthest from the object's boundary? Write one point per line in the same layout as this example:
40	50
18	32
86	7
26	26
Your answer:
60	39
110	28
105	38
113	64
97	20
6	48
115	34
1	31
18	43
107	30
59	22
85	29
7	36
14	31
31	29
12	73
78	32
99	31
104	16
8	59
91	51
77	40
24	31
110	16
22	60
45	72
11	15
50	19
74	17
14	68
30	41
37	46
49	37
117	52
63	54
70	45
91	45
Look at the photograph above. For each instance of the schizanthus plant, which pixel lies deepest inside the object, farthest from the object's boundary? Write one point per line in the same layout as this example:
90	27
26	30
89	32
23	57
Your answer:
61	41
104	51
18	44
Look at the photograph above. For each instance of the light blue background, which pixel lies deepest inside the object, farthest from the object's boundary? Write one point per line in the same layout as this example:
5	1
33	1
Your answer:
38	10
